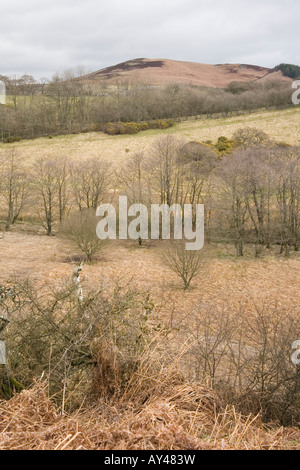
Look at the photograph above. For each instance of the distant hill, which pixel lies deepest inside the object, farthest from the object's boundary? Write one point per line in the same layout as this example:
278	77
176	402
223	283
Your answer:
159	72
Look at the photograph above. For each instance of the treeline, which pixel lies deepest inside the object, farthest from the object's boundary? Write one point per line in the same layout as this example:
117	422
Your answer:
250	187
289	70
68	104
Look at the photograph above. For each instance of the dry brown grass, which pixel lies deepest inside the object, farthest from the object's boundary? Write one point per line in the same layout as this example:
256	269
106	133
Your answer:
47	261
185	418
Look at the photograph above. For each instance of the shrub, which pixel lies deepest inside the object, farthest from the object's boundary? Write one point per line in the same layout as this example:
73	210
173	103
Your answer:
80	229
250	137
143	126
224	145
11	139
246	354
111	128
76	345
132	127
161	124
185	263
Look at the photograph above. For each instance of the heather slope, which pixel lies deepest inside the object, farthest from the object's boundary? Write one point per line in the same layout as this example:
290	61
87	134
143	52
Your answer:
162	71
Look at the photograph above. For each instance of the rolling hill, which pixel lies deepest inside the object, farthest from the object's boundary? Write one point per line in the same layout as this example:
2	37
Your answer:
159	72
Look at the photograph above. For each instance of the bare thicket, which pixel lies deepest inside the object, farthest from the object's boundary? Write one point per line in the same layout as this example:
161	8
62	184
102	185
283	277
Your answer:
232	200
100	340
249	188
250	137
70	101
287	188
67	104
60	184
133	179
197	162
105	347
246	356
166	178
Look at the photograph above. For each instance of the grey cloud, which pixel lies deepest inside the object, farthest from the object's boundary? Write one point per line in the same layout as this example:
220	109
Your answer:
40	37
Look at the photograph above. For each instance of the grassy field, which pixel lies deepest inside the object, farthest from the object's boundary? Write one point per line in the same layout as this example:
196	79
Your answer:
44	258
47	260
282	126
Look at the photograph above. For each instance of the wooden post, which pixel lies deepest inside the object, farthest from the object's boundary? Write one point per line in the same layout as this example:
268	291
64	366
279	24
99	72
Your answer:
3	371
77	282
2	353
3	323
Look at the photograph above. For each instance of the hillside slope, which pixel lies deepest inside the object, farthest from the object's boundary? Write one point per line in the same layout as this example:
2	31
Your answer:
158	72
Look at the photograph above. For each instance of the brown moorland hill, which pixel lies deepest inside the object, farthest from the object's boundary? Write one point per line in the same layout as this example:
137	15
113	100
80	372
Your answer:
158	72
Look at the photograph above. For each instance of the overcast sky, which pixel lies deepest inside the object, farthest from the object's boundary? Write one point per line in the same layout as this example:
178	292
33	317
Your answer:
41	37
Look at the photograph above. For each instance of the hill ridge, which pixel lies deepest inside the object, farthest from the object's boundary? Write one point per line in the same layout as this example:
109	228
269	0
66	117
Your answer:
159	72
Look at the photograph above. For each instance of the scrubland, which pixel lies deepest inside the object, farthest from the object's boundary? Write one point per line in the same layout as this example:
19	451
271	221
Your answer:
143	363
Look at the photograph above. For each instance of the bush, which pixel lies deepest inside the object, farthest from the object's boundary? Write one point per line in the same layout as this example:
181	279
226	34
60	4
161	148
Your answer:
111	128
224	145
87	349
246	355
143	126
161	124
185	263
132	127
11	139
80	229
250	137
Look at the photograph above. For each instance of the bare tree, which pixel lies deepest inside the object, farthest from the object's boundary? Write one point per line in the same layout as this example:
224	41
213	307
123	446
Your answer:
250	137
62	170
257	180
187	264
69	96
163	166
90	180
47	190
260	178
79	228
232	195
287	165
196	163
14	183
132	179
